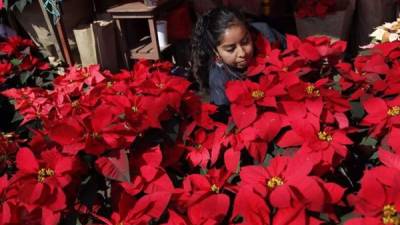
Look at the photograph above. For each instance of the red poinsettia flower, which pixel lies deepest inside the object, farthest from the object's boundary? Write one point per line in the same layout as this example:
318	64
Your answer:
382	115
75	80
322	49
246	95
40	181
378	200
168	89
32	103
327	147
5	69
140	112
9	145
146	173
14	44
259	64
134	211
93	134
390	50
203	197
199	148
284	181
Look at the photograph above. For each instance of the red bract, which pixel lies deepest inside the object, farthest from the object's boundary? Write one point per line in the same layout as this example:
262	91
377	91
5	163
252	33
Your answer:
390	50
40	182
382	117
251	207
14	45
147	174
327	147
31	103
259	65
288	186
284	182
245	96
320	100
204	199
93	134
140	112
8	148
5	69
199	148
140	211
378	200
75	79
168	89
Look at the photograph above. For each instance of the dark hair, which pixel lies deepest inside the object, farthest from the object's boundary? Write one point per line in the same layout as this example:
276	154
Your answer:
206	37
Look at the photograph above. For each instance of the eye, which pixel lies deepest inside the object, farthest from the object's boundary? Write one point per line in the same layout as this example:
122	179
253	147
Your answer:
230	50
245	40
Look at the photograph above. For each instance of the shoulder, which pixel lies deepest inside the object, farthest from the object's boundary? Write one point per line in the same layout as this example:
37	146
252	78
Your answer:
217	76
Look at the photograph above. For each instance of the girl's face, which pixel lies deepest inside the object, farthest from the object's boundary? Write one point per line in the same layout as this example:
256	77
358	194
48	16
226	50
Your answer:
236	46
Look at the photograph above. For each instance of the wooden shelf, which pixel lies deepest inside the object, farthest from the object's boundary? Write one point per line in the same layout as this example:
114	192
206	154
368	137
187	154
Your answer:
145	49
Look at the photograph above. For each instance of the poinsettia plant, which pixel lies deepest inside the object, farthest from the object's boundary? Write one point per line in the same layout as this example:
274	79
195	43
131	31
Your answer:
310	139
314	8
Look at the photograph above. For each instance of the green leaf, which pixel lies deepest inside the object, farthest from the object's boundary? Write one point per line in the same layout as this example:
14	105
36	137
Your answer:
203	171
357	111
16	62
24	76
369	141
267	159
278	150
336	80
347	217
17	117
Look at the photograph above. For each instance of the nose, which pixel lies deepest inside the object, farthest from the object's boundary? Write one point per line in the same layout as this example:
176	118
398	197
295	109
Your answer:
241	53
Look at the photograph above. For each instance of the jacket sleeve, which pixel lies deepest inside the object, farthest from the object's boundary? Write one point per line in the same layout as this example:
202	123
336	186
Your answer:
217	81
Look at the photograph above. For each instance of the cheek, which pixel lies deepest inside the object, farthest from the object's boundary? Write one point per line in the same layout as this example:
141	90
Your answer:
227	57
249	50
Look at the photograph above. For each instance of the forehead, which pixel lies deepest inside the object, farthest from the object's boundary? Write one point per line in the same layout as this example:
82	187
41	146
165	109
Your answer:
233	34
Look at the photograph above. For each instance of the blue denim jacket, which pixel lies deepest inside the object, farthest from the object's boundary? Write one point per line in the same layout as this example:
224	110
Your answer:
218	75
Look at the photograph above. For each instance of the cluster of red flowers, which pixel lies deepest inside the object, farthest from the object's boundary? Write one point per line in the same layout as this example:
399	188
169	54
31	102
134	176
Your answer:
21	63
315	8
139	147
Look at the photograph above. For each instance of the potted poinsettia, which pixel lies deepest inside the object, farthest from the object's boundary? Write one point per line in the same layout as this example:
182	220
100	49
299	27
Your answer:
324	17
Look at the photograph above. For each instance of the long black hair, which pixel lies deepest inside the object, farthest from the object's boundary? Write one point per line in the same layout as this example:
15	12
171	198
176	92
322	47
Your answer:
206	37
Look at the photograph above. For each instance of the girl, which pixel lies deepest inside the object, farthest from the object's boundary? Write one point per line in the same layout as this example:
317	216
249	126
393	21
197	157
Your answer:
222	47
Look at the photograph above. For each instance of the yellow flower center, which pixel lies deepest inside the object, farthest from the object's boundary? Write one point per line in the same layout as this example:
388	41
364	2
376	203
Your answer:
75	104
324	136
275	182
43	173
160	85
86	74
95	135
135	109
110	84
312	91
257	94
394	111
198	146
390	216
215	188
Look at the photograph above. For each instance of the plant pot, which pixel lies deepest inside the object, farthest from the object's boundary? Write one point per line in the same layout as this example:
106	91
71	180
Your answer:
336	25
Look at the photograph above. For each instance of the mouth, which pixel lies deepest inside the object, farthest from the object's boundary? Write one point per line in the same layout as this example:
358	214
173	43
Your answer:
243	63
